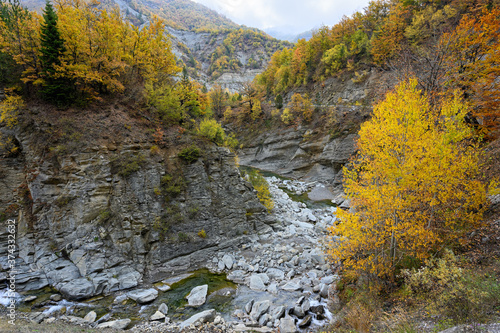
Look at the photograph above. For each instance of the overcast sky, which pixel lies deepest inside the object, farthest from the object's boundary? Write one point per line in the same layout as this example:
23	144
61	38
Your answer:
297	15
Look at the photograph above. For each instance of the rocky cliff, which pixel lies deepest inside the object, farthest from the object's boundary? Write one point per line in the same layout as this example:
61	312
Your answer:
111	217
318	150
290	152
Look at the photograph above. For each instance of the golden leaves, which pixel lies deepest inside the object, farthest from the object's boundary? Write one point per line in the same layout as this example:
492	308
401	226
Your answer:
413	187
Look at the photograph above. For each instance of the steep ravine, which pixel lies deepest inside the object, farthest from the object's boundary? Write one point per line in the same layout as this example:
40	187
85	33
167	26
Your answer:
84	229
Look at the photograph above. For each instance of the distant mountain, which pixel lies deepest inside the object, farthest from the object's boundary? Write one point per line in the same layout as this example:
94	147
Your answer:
305	35
209	45
286	33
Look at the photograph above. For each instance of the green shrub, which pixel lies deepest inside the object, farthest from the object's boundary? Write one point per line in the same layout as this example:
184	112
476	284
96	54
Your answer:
262	187
451	291
104	215
173	216
193	211
212	130
172	185
183	237
125	165
190	154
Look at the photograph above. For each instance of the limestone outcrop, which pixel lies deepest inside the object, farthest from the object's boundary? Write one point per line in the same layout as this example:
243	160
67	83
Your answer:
87	224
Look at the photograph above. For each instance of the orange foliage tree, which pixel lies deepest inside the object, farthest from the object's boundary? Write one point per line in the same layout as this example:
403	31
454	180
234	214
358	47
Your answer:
474	63
414	185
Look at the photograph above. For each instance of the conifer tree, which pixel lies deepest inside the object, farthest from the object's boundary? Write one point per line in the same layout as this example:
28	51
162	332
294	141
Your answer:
52	47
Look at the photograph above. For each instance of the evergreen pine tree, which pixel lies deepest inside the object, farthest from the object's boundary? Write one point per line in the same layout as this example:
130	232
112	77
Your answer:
52	47
278	101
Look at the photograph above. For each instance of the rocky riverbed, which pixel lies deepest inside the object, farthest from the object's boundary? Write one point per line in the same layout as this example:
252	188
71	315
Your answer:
283	281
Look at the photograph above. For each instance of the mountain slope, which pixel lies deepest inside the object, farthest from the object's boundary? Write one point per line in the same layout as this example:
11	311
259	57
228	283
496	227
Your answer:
210	46
183	14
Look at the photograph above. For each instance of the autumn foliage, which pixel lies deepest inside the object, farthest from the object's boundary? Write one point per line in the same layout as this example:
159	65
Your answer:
414	185
102	52
473	63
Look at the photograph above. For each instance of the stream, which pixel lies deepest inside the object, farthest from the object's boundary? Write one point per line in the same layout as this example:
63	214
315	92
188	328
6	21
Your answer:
280	275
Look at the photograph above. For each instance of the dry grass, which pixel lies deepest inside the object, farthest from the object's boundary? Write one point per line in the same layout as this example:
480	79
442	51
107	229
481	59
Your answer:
359	317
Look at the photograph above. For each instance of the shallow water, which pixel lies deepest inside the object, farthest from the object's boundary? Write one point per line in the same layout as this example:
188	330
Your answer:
303	198
220	291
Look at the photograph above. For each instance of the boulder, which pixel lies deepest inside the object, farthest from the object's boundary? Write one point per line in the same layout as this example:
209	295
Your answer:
163	287
142	296
201	317
197	296
328	279
256	283
273	288
29	299
287	325
228	261
120	324
157	316
278	312
248	306
306	306
264	278
77	289
291	286
305	322
90	317
297	311
259	308
275	273
237	276
163	308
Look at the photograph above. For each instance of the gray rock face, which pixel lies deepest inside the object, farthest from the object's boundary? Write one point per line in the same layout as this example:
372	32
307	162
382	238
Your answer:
197	296
202	317
102	224
143	296
120	324
77	289
287	152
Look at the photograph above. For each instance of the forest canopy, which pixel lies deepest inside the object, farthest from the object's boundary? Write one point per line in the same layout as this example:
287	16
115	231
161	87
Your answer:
110	56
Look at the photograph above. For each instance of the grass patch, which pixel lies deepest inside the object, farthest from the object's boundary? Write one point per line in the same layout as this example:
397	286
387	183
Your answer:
190	154
125	165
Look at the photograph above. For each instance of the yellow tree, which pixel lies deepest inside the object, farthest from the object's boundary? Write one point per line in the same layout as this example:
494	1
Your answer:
414	185
20	38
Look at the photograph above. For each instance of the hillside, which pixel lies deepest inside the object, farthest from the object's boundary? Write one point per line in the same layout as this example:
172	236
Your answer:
178	14
212	47
353	186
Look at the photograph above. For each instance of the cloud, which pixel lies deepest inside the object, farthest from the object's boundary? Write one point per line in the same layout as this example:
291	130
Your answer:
296	15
